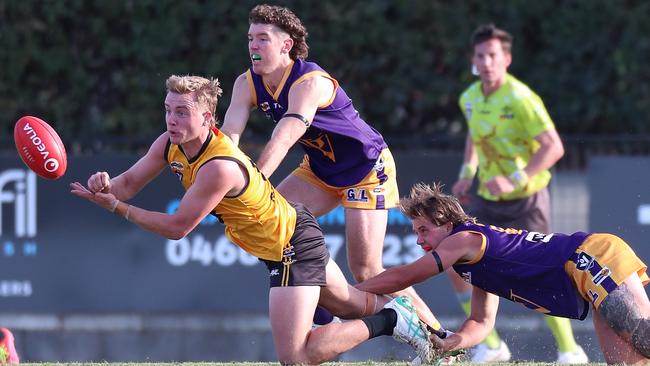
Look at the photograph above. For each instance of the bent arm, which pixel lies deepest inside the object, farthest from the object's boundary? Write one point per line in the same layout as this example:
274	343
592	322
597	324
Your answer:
236	117
550	151
199	200
478	325
453	248
304	99
126	185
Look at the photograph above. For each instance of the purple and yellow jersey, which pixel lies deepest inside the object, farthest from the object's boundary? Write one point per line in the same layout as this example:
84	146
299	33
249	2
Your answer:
342	147
258	219
526	267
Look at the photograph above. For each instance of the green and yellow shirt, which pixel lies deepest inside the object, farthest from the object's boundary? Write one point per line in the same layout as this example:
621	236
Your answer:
503	127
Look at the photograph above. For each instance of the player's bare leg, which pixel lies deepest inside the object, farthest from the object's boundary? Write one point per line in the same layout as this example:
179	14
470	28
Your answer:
622	324
291	310
365	231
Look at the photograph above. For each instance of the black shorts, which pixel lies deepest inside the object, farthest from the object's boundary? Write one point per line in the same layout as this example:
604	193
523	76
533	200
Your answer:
305	257
531	213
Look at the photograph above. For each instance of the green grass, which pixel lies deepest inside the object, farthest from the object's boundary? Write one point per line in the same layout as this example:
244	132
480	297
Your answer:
270	363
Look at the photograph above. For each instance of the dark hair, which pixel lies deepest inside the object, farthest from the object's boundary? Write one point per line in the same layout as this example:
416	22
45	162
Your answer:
428	201
286	20
490	31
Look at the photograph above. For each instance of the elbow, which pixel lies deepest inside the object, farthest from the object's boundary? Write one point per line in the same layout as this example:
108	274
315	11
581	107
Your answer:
559	151
175	235
178	232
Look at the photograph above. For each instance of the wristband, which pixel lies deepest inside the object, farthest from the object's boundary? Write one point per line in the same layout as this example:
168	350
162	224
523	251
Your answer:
467	171
519	178
128	210
117	202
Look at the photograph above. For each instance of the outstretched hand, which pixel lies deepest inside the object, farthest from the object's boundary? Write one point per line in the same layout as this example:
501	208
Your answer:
105	200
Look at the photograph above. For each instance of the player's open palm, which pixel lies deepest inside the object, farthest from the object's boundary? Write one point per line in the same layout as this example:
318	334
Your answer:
105	200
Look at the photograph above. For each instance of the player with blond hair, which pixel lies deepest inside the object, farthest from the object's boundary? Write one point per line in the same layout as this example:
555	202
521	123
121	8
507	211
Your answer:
221	180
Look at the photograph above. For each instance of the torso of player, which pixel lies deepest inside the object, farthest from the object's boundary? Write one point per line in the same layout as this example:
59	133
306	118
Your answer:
525	267
342	147
503	127
258	219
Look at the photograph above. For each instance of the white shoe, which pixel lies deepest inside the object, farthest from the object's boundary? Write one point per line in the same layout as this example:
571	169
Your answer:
409	329
483	354
577	356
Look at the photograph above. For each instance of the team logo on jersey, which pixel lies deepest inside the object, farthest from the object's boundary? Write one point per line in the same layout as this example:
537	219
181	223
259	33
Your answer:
506	113
265	107
468	110
321	143
466	276
287	255
177	168
274	272
379	165
584	262
356	195
601	276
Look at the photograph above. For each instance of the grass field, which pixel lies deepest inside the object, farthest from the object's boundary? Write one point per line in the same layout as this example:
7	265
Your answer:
272	363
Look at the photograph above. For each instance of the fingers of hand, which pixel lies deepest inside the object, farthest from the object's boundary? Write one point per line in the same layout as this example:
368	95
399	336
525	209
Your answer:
99	181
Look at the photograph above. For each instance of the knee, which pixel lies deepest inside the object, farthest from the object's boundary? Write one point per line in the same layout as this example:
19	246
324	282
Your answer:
364	271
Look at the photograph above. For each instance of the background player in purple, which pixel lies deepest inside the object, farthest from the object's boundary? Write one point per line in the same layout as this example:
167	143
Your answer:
347	161
556	274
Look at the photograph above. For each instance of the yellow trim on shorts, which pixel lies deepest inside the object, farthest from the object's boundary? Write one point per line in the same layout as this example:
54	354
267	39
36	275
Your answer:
370	182
617	261
285	274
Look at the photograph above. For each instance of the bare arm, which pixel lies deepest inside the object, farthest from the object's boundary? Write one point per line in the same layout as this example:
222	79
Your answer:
304	99
129	183
550	151
199	200
238	111
467	170
463	245
478	325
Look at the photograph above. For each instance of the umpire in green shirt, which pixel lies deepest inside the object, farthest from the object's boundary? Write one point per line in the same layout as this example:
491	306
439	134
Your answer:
511	143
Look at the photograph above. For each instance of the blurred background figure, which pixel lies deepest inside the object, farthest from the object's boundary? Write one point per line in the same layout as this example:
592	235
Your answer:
512	143
8	354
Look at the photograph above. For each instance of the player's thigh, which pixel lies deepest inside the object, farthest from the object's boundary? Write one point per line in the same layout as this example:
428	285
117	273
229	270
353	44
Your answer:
291	310
316	199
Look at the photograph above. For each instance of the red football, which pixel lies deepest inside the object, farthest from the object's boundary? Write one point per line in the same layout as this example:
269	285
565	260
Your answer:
40	147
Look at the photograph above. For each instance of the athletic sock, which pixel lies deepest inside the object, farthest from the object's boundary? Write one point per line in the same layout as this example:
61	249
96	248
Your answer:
492	341
322	316
562	332
381	323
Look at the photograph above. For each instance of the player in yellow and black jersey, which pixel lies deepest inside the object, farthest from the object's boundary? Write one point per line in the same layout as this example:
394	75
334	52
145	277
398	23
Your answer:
220	179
